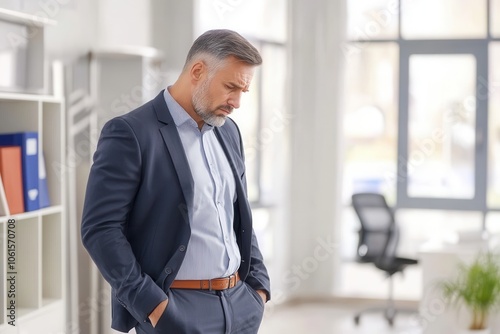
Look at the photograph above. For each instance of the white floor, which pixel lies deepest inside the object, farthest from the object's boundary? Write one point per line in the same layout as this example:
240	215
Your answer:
323	318
356	281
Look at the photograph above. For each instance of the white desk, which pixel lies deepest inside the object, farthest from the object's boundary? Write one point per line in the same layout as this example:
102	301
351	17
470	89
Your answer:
439	261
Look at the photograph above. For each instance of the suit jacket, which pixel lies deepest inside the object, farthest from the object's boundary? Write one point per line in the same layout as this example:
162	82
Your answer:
135	222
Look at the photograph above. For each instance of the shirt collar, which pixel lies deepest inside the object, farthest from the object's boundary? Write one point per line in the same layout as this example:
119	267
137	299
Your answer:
178	113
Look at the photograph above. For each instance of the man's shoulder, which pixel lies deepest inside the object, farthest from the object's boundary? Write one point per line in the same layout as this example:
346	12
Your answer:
230	134
142	115
139	121
231	128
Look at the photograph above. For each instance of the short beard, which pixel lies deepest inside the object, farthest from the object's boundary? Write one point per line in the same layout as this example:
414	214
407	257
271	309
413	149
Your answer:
201	106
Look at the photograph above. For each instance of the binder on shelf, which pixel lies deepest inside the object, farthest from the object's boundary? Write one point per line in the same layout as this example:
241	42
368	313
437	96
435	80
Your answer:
11	172
42	183
28	141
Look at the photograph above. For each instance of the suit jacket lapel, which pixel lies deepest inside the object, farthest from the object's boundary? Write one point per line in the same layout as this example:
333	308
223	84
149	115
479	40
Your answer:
173	142
230	158
244	207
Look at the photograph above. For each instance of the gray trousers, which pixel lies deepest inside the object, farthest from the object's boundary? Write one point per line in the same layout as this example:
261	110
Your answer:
238	310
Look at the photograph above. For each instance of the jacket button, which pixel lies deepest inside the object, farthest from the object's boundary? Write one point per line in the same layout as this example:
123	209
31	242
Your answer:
182	248
242	231
168	271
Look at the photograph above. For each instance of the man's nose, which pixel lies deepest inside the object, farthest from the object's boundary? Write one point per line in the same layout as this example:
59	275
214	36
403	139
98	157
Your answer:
234	100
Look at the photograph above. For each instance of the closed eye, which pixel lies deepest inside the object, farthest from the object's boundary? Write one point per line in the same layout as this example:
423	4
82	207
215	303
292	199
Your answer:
234	87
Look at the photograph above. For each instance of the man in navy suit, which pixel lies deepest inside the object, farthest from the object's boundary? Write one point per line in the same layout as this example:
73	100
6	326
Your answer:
166	217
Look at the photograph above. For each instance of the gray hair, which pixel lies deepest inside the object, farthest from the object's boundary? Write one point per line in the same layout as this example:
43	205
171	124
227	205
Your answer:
219	44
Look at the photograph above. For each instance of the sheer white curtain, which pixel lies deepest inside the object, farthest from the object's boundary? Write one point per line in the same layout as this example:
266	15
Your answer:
316	36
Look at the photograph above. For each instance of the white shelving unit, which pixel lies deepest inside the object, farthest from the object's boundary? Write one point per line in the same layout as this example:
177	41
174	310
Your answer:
40	243
23	66
39	235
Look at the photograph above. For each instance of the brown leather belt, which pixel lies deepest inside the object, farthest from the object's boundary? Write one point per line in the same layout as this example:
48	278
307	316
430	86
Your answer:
207	284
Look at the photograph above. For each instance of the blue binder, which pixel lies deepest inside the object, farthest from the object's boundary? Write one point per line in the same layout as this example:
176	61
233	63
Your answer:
43	188
28	141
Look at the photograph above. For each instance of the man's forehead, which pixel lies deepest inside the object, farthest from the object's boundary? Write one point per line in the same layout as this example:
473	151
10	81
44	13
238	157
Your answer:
241	73
244	79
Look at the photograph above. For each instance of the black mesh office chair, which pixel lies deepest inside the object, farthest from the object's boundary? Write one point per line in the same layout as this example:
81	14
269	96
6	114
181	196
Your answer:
378	241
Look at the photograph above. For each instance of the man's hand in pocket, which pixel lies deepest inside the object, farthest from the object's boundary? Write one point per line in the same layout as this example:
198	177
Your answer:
157	312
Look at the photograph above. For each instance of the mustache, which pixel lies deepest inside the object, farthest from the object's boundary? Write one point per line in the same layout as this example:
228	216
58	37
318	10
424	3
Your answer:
226	108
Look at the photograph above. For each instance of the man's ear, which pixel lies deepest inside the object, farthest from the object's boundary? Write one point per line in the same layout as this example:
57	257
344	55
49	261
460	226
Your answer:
198	70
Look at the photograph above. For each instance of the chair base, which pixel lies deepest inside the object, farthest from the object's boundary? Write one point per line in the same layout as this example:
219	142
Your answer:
389	313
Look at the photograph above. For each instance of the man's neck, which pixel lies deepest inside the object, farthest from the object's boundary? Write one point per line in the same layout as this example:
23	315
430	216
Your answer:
178	94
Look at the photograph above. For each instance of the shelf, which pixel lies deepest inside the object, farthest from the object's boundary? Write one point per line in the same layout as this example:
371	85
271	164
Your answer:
29	97
46	319
33	214
40	245
28	312
127	51
7	329
25	19
49	301
24	311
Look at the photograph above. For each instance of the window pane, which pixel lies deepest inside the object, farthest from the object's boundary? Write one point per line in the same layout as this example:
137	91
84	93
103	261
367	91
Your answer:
372	19
370	122
494	128
275	119
495	18
443	19
442	117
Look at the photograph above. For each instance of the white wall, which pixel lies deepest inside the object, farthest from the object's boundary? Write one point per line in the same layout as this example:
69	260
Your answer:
124	22
76	30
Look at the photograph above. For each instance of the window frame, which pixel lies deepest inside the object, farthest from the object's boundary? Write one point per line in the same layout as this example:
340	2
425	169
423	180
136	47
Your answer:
479	48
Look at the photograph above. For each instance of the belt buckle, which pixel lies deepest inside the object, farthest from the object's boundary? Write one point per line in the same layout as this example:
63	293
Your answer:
232	281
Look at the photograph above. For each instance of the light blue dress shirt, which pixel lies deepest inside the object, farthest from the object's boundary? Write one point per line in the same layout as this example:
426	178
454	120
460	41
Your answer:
212	251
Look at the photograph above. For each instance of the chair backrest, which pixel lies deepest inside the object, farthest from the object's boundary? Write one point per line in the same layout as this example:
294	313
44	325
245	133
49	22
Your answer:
378	236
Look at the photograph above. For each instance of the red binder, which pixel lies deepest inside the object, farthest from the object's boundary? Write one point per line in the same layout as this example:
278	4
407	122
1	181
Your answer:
12	179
